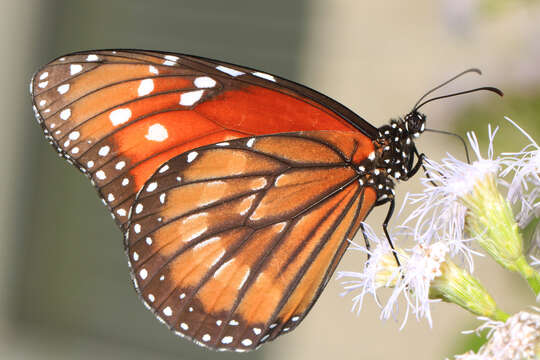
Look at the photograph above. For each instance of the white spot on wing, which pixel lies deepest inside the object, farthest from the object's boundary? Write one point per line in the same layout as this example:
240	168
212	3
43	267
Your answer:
218	258
62	89
119	116
206	337
138	208
170	60
162	198
101	175
137	228
195	234
264	76
74	135
120	165
163	168
247	342
143	273
92	57
43	76
204	82
229	71
42	102
157	132
121	212
167	311
206	242
151	187
223	267
104	150
184	326
151	297
243	280
191	156
125	181
153	69
227	340
250	142
43	84
257	331
75	69
65	114
191	97
146	87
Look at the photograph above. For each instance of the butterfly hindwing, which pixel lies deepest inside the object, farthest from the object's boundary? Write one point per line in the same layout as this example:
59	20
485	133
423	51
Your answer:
118	114
230	244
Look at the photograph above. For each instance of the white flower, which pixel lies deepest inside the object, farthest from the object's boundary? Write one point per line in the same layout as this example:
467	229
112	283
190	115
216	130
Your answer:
380	270
525	186
439	213
517	338
419	266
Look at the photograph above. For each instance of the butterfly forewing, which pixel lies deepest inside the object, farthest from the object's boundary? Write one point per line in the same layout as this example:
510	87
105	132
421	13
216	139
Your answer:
118	115
230	244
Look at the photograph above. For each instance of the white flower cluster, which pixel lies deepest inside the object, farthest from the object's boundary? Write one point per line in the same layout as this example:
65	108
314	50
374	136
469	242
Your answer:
525	186
419	266
437	224
517	338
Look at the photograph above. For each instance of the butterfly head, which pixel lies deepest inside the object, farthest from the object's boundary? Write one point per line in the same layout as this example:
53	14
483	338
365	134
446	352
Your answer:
415	123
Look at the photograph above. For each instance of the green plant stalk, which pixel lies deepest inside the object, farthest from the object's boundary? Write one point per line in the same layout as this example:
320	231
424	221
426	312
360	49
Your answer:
457	286
491	222
529	274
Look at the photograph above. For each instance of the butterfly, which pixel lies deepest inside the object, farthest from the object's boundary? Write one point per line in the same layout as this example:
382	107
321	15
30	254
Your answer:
236	190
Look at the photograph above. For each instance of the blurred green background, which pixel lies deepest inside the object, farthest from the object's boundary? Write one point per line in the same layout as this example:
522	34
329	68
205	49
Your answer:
65	292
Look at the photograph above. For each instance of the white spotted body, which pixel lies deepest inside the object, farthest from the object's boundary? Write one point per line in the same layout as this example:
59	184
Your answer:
394	155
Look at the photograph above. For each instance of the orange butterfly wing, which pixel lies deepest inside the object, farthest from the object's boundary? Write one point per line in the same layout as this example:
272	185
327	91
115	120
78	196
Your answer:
118	115
231	244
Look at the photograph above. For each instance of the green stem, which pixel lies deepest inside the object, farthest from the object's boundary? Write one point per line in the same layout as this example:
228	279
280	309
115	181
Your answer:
529	274
499	315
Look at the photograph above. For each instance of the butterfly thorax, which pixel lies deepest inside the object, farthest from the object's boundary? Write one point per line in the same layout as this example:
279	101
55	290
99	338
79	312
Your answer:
393	156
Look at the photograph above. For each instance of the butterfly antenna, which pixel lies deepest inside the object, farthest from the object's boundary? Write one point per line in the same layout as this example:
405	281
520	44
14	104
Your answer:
474	70
487	88
456	135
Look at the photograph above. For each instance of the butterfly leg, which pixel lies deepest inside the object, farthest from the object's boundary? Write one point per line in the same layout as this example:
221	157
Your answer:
420	163
366	241
385	226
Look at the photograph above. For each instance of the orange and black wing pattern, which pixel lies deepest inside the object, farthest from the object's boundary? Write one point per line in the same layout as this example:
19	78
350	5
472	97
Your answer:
230	244
119	114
